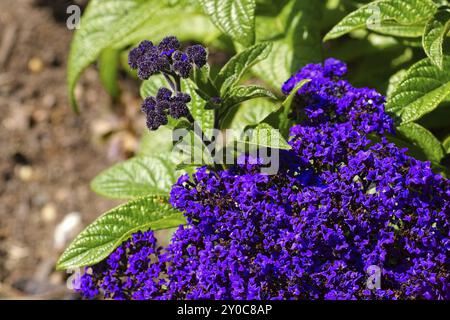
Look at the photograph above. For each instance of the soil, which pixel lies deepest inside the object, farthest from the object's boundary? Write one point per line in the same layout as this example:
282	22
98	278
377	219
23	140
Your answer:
49	154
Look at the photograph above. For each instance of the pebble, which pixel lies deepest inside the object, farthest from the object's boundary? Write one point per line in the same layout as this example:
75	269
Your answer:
66	230
48	213
35	65
25	173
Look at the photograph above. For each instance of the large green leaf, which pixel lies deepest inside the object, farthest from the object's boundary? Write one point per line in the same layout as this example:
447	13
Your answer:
235	68
394	80
236	18
136	177
190	25
154	143
423	139
106	233
405	18
297	43
205	85
109	69
433	37
204	117
248	113
277	68
420	91
446	144
103	24
240	94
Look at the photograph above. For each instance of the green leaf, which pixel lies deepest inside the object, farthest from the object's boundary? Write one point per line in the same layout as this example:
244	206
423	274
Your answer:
150	87
240	94
287	103
433	37
296	43
405	18
280	118
446	144
103	24
156	142
136	177
394	80
277	68
204	117
423	139
236	18
202	78
106	233
421	90
109	70
233	71
248	113
266	136
191	25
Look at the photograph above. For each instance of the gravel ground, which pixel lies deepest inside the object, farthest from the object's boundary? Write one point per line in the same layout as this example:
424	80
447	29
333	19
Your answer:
48	154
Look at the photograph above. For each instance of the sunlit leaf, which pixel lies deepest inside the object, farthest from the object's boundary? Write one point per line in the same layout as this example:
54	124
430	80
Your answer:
420	91
106	233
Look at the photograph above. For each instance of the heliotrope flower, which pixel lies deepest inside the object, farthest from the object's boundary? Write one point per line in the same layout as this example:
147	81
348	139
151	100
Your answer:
167	59
157	109
341	204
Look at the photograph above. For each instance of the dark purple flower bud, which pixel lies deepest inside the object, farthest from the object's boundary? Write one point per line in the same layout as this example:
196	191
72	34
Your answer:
162	63
178	110
163	94
179	56
183	97
178	107
155	119
148	104
168	45
183	68
163	106
197	54
137	53
147	66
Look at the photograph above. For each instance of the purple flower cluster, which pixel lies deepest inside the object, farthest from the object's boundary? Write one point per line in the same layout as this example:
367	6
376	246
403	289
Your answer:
130	272
157	108
345	201
166	58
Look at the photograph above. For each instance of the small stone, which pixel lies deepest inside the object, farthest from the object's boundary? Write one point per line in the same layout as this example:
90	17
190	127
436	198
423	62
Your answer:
66	230
40	115
49	101
48	213
35	65
26	173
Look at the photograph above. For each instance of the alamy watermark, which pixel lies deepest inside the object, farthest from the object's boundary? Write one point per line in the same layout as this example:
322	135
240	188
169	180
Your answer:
73	282
74	19
374	279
